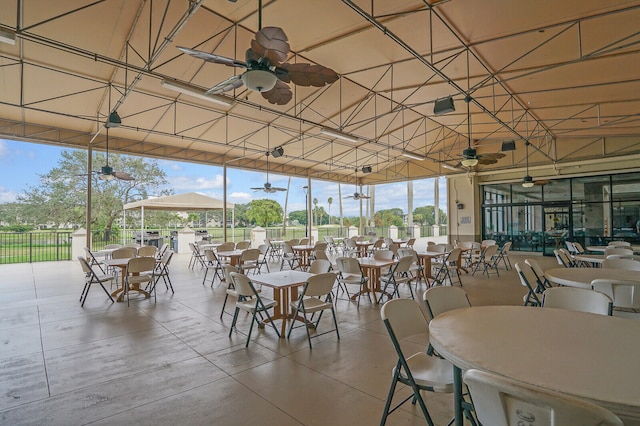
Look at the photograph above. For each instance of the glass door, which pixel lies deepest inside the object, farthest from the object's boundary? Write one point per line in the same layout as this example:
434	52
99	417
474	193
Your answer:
557	223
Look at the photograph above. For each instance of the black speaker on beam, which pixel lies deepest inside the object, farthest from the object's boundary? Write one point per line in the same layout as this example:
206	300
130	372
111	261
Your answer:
366	169
508	146
443	106
277	152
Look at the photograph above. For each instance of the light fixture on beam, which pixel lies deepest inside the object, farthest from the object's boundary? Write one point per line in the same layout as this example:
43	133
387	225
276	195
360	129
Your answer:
449	166
413	155
366	169
277	152
113	120
7	37
443	106
339	135
259	80
197	92
508	146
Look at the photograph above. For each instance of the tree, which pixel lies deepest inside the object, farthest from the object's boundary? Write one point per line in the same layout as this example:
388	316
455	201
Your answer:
299	216
389	217
61	197
330	200
426	215
264	212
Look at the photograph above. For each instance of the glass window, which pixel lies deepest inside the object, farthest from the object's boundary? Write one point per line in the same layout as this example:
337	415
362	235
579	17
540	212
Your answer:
527	195
626	220
497	194
591	189
527	227
557	190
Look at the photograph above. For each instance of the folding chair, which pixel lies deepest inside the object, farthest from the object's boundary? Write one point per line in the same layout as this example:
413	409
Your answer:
350	273
449	266
250	301
501	401
528	280
139	270
249	260
212	264
316	297
289	256
421	372
541	280
91	277
441	299
162	271
398	274
503	255
488	260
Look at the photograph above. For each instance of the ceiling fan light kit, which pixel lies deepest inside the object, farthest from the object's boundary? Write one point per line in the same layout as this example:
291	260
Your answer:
470	158
339	135
527	181
413	155
196	92
259	80
443	106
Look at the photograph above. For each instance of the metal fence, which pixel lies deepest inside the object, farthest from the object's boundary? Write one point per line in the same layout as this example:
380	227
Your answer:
44	246
22	247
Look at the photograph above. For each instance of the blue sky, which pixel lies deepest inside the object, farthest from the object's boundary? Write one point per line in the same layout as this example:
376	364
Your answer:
21	163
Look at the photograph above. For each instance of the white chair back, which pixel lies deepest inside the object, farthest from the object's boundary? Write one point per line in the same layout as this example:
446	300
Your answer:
577	299
627	264
445	298
501	401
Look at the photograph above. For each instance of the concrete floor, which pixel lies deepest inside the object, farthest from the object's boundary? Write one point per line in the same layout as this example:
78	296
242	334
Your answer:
172	361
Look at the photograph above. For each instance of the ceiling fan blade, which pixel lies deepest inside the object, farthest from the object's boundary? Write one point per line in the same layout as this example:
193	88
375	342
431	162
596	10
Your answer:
307	74
271	43
487	160
123	176
541	182
496	155
278	189
226	85
280	94
210	57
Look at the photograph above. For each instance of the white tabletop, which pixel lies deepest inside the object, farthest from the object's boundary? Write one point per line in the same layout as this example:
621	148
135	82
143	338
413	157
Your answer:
602	249
583	355
582	277
285	278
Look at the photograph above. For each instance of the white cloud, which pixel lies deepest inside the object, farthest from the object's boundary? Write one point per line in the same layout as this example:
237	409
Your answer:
4	149
187	183
7	196
240	197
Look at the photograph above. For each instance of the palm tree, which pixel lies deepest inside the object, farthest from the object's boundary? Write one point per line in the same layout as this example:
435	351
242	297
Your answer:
315	210
330	200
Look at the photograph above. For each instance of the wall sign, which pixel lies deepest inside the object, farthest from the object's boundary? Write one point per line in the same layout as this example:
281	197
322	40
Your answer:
465	219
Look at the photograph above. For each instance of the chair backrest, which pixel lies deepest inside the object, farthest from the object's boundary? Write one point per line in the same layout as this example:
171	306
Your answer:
319	285
501	401
405	318
264	248
527	277
411	242
438	248
320	245
166	257
572	249
453	256
348	265
243	285
537	270
490	251
506	247
383	255
378	244
578	247
124	253
465	244
620	243
145	251
403	265
328	239
320	254
394	249
86	267
349	243
211	257
227	246
562	258
406	251
431	243
627	264
90	257
133	245
320	266
113	246
444	298
227	270
303	241
486	243
202	243
250	255
625	294
141	264
161	251
292	242
286	248
577	299
243	245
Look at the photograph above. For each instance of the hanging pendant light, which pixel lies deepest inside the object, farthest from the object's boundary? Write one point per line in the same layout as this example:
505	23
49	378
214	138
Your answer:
527	181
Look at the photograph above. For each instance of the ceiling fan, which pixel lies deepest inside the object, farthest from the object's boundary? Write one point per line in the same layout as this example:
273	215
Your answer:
106	172
267	186
265	71
470	156
356	195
